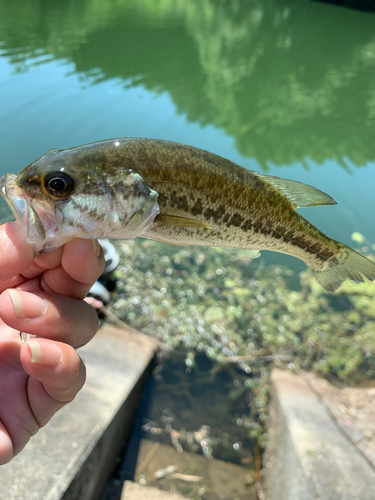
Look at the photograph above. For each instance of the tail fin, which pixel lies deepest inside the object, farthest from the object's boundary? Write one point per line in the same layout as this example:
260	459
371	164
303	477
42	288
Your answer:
348	265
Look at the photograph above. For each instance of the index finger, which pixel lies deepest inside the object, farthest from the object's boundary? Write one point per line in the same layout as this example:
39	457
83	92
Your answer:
16	254
82	263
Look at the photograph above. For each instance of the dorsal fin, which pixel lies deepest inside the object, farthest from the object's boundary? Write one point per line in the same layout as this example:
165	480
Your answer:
301	195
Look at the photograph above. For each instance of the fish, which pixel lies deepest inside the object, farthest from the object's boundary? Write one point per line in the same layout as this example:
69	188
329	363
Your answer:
172	192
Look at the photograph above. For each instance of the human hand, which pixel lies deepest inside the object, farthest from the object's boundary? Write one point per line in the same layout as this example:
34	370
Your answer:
41	296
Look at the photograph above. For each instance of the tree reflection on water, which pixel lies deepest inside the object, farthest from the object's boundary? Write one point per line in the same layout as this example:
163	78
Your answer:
288	80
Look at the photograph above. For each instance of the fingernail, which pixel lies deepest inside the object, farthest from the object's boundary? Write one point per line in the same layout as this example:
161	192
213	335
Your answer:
96	248
44	352
27	305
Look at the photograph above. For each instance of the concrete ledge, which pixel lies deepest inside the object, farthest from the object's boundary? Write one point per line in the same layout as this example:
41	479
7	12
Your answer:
309	457
72	456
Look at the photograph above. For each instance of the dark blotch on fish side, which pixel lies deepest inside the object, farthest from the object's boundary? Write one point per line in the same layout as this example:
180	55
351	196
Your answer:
236	220
247	225
180	201
197	208
217	214
225	218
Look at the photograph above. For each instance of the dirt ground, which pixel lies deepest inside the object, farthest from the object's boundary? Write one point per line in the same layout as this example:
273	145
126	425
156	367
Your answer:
353	409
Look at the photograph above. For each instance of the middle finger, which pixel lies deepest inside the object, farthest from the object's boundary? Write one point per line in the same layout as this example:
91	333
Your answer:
49	315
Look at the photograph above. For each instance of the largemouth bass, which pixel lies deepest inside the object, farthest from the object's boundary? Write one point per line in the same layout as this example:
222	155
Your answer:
171	192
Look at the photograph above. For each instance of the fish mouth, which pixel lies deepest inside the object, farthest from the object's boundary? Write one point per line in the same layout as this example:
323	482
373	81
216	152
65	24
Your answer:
21	207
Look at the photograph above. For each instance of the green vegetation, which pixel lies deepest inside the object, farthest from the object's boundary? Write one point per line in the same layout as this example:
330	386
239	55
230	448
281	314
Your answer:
288	80
226	304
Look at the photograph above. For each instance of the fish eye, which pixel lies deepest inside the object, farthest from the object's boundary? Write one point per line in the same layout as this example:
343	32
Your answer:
59	185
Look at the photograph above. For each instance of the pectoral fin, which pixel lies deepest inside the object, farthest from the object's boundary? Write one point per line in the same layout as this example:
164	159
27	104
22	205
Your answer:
177	221
301	195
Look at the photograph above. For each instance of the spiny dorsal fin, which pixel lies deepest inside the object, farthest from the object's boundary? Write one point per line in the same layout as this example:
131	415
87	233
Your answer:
301	195
177	221
50	152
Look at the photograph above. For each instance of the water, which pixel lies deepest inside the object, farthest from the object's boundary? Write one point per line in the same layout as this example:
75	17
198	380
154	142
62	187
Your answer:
283	87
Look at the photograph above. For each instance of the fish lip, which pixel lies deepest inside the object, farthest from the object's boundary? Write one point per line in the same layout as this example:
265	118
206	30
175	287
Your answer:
14	197
21	207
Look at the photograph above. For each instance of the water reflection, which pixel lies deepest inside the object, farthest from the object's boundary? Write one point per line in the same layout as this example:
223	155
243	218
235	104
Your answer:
288	80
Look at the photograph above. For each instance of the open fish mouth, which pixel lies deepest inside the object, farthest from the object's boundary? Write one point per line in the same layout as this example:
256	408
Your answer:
21	206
